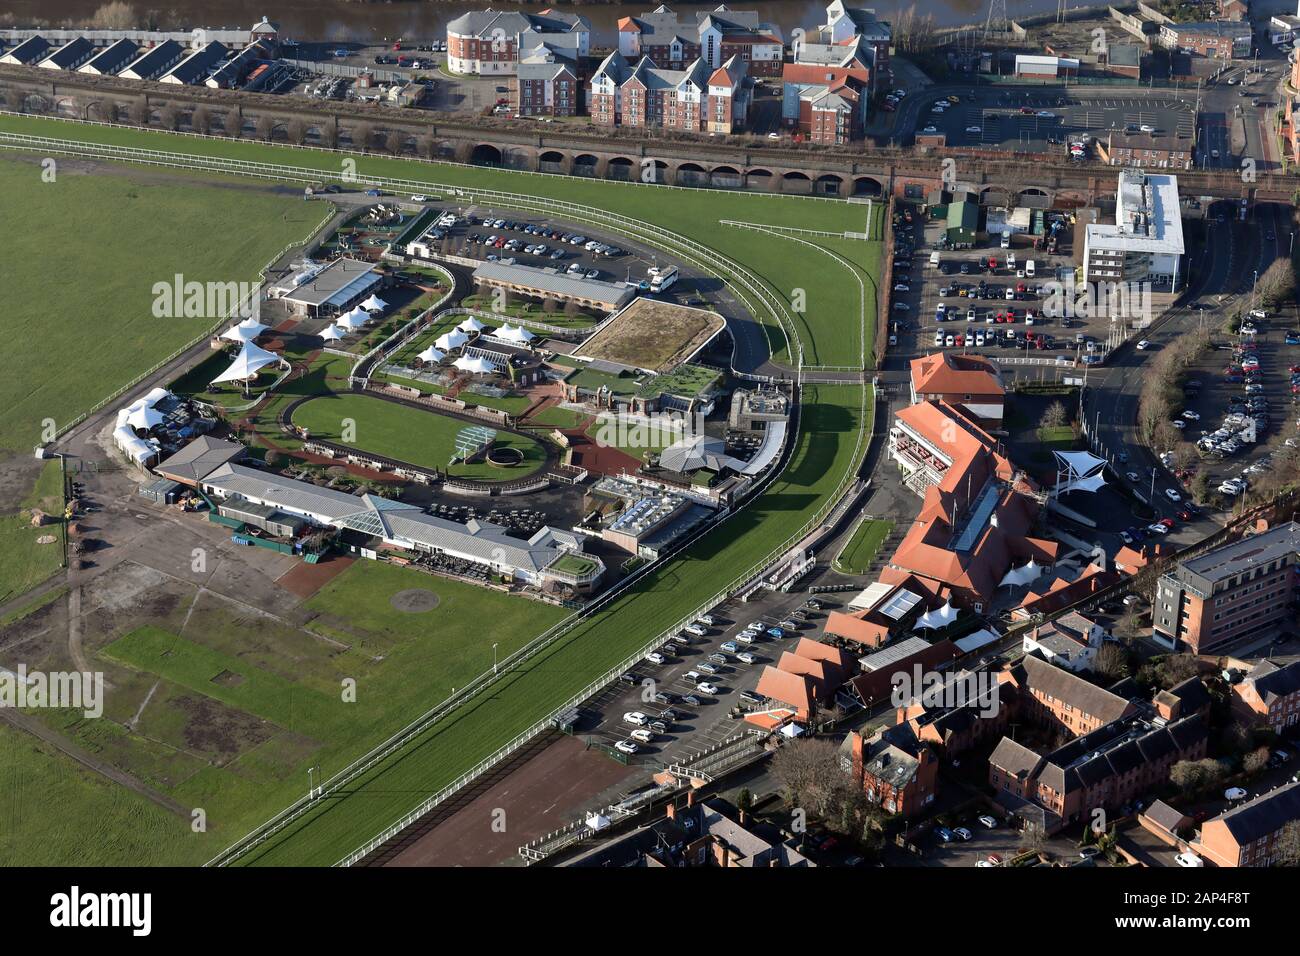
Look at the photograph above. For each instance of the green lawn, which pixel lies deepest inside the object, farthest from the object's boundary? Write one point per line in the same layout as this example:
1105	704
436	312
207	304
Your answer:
87	330
790	269
412	435
24	563
556	417
861	549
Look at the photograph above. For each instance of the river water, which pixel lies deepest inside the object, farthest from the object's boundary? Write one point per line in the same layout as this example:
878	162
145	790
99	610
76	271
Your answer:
340	20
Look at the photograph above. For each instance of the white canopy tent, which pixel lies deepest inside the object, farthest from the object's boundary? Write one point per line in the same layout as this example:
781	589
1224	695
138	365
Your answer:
245	331
354	319
1022	575
1078	471
939	617
471	324
333	334
451	340
431	355
374	303
156	395
477	366
141	414
250	360
512	334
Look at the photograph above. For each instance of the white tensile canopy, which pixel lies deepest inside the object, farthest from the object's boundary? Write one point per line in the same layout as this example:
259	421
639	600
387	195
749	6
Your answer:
1078	471
354	319
333	334
374	303
939	617
451	340
1023	575
245	331
471	324
512	334
251	359
478	366
141	414
156	395
431	355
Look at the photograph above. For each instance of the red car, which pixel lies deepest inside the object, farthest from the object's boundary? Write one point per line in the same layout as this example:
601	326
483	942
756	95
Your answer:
1185	515
994	858
1168	522
1293	369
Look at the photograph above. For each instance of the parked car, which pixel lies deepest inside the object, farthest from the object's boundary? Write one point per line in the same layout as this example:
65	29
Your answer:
636	718
626	746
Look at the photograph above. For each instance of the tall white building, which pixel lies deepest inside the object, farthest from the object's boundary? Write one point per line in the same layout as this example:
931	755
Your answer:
1145	244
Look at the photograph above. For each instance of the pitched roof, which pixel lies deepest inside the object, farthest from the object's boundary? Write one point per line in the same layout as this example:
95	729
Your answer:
1056	682
949	373
787	688
1266	814
1013	758
201	457
1272	682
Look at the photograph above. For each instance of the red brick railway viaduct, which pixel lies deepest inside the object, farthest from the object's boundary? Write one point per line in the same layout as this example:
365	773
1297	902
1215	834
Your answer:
617	155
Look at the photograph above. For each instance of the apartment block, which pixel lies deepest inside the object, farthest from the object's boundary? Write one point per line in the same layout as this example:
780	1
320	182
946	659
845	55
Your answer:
492	42
1269	696
1249	835
1220	39
1235	591
716	35
696	99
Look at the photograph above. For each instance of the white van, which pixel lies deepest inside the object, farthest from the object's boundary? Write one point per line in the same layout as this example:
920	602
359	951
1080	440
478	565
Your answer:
1029	268
1006	240
934	258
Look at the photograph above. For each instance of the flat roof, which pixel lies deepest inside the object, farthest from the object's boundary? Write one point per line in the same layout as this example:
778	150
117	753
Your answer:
556	281
654	335
1247	553
337	282
1148	217
893	653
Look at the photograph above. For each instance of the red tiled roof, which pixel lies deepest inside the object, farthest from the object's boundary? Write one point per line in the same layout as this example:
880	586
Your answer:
827	75
787	688
945	373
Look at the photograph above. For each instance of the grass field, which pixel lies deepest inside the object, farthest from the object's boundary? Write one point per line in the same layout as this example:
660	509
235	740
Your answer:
24	563
88	330
828	448
862	548
792	270
556	417
412	435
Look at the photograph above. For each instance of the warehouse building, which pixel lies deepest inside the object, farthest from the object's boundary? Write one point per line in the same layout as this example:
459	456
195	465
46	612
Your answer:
155	62
195	67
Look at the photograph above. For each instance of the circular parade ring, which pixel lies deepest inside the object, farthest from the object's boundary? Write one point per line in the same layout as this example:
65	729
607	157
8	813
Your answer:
504	456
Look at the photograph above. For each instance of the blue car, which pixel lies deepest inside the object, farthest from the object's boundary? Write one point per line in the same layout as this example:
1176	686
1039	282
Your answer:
1293	338
776	632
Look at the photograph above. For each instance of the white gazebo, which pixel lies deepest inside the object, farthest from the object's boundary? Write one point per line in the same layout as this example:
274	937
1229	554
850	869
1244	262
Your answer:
476	366
245	331
250	360
451	340
374	304
333	333
431	355
471	324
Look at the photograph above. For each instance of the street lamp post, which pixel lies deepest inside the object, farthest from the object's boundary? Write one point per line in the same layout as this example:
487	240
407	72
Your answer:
494	658
1153	487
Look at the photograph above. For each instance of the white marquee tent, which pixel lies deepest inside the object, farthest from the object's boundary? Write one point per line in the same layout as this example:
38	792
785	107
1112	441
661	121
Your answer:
471	324
333	334
478	366
374	303
250	360
511	334
939	617
354	319
451	340
143	415
245	331
431	355
1022	575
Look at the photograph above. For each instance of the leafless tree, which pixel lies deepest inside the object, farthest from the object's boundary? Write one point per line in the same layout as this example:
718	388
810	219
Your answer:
395	142
138	113
296	130
1255	761
329	135
363	135
1288	844
809	773
265	128
115	15
201	120
233	123
1111	661
169	117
